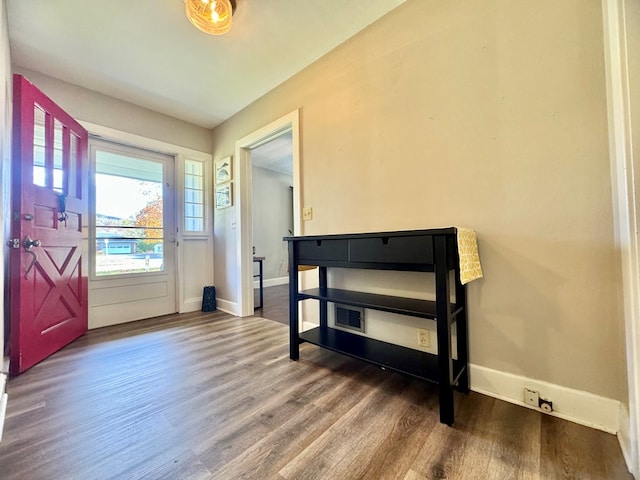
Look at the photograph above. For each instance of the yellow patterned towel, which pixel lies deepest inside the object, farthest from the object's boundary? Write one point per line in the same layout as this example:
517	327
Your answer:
470	268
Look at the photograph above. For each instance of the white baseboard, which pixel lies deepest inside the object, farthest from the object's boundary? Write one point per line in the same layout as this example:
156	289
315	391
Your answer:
228	307
4	398
576	406
271	282
191	305
307	326
624	438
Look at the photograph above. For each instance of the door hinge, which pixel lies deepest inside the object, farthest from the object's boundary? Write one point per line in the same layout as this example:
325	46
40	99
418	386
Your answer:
13	243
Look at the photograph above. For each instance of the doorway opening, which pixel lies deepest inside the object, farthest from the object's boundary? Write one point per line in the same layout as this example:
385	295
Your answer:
283	129
272	205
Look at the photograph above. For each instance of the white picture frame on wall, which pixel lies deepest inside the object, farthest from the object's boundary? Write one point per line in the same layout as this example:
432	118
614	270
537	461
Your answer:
223	170
224	195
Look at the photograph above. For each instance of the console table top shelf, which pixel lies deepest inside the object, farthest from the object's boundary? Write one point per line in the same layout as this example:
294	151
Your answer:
387	303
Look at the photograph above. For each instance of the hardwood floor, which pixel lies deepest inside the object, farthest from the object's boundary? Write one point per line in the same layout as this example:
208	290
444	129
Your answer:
210	396
275	304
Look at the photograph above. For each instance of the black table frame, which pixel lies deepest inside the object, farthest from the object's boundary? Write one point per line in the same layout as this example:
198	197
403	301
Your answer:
433	250
259	261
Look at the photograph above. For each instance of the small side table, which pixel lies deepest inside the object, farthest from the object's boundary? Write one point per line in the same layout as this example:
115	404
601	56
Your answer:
259	261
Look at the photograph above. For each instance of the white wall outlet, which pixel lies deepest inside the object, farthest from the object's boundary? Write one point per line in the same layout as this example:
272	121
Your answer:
531	397
307	213
424	340
546	405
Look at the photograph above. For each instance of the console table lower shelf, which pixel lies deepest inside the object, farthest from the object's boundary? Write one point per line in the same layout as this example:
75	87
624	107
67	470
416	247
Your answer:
419	364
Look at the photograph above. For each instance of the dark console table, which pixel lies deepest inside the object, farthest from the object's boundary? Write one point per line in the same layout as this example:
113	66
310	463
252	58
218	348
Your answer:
432	250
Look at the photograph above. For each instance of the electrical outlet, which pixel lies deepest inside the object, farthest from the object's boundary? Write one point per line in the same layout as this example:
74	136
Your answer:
307	213
531	397
424	340
545	405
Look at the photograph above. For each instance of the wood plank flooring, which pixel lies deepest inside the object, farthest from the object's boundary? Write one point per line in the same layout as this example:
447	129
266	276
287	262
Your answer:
210	396
275	304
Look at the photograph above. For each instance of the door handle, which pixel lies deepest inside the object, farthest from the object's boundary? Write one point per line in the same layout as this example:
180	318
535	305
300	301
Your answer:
28	243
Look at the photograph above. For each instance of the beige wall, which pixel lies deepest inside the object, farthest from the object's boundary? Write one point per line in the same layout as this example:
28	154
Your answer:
94	107
490	115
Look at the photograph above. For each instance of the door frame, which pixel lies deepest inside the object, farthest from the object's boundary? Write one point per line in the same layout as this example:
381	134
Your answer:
624	171
186	301
242	167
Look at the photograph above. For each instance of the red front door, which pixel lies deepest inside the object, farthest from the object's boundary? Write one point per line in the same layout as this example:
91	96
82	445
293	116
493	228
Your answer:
49	223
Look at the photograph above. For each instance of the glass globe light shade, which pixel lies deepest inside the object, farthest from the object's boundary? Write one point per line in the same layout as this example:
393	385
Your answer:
210	16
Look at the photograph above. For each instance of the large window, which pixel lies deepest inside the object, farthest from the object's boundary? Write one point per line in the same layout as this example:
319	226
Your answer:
193	196
129	207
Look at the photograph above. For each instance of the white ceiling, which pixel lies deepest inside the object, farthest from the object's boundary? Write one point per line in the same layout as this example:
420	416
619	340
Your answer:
146	51
276	155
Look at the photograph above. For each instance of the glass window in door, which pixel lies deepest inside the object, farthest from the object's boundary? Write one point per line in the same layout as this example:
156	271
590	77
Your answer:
129	209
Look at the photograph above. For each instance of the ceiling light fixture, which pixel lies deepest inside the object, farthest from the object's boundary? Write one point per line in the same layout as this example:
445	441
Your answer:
210	16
